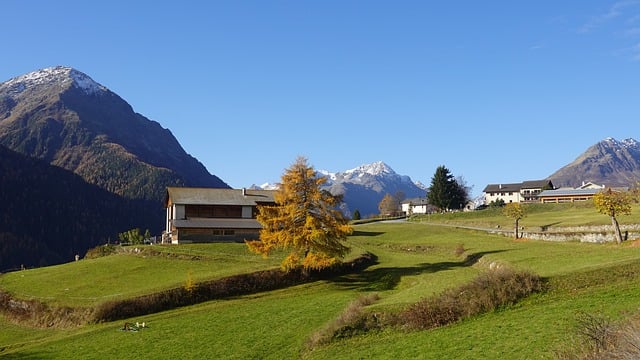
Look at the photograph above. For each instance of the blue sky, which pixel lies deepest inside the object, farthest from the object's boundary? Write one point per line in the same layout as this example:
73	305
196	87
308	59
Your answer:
497	91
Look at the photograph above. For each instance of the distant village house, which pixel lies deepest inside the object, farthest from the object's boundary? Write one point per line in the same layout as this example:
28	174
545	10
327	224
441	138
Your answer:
582	193
416	206
539	191
526	191
213	215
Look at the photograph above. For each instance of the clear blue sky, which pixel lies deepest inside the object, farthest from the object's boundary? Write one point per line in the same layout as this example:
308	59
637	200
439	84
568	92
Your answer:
497	91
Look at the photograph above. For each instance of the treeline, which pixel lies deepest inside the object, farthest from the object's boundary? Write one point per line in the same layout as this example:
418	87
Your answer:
48	215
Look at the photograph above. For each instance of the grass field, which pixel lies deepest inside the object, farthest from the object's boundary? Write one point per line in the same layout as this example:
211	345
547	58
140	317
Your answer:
549	216
415	260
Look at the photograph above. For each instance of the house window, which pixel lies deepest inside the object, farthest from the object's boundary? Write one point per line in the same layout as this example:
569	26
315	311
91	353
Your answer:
213	211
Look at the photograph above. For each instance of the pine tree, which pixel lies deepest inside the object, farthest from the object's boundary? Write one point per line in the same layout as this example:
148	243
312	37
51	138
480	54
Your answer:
304	221
445	192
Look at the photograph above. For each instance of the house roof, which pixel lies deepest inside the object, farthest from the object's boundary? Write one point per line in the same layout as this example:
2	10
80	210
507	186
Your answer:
416	201
216	196
536	184
516	187
568	192
503	188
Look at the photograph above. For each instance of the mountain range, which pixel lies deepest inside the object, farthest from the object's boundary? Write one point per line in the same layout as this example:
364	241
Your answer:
78	165
364	187
610	162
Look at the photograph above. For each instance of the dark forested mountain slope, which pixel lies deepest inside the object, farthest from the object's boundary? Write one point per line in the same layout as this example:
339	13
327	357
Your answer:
48	214
62	116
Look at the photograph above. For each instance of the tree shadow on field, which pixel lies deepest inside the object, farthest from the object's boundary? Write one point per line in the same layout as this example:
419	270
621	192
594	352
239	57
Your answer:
26	355
366	233
387	278
547	226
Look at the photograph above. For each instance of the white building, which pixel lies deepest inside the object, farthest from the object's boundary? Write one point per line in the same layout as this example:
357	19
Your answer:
526	191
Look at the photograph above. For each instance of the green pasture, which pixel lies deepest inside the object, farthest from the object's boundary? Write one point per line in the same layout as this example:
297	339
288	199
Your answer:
549	216
414	260
129	273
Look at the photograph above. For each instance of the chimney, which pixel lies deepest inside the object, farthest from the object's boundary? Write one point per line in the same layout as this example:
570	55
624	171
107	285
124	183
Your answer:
244	191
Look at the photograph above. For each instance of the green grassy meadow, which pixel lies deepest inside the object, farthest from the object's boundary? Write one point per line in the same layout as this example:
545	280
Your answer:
415	260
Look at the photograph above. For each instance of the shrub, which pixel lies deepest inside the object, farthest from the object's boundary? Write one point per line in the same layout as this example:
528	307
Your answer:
459	250
489	291
353	320
236	285
100	251
601	338
36	314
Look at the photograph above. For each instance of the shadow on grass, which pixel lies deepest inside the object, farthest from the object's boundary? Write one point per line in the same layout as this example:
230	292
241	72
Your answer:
547	226
366	233
387	278
26	355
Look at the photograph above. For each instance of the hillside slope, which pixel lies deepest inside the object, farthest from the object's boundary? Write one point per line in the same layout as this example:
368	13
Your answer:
50	214
62	116
609	162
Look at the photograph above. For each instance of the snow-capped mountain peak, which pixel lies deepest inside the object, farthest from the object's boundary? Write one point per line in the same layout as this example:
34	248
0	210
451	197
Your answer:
364	186
59	75
376	168
630	143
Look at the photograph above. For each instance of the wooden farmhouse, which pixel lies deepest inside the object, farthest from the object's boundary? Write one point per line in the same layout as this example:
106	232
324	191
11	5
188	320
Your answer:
213	215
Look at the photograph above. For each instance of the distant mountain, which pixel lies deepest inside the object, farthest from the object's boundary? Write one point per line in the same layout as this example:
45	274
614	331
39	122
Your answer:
63	117
609	162
364	186
50	214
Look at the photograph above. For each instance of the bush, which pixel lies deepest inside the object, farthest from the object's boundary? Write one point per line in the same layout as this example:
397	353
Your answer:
353	320
236	285
601	338
489	291
100	251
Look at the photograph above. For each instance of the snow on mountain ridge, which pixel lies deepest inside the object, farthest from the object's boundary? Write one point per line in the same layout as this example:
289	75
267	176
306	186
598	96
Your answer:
62	75
376	168
618	145
631	143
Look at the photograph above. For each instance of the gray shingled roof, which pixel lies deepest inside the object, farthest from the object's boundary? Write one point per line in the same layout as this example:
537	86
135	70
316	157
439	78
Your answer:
568	192
416	201
536	184
502	188
213	196
529	184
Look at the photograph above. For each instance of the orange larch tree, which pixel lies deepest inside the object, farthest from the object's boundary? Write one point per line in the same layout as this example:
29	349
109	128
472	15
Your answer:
304	221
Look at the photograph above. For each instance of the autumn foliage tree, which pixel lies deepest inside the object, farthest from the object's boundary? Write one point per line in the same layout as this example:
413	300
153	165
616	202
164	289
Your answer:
613	203
388	206
304	221
516	212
